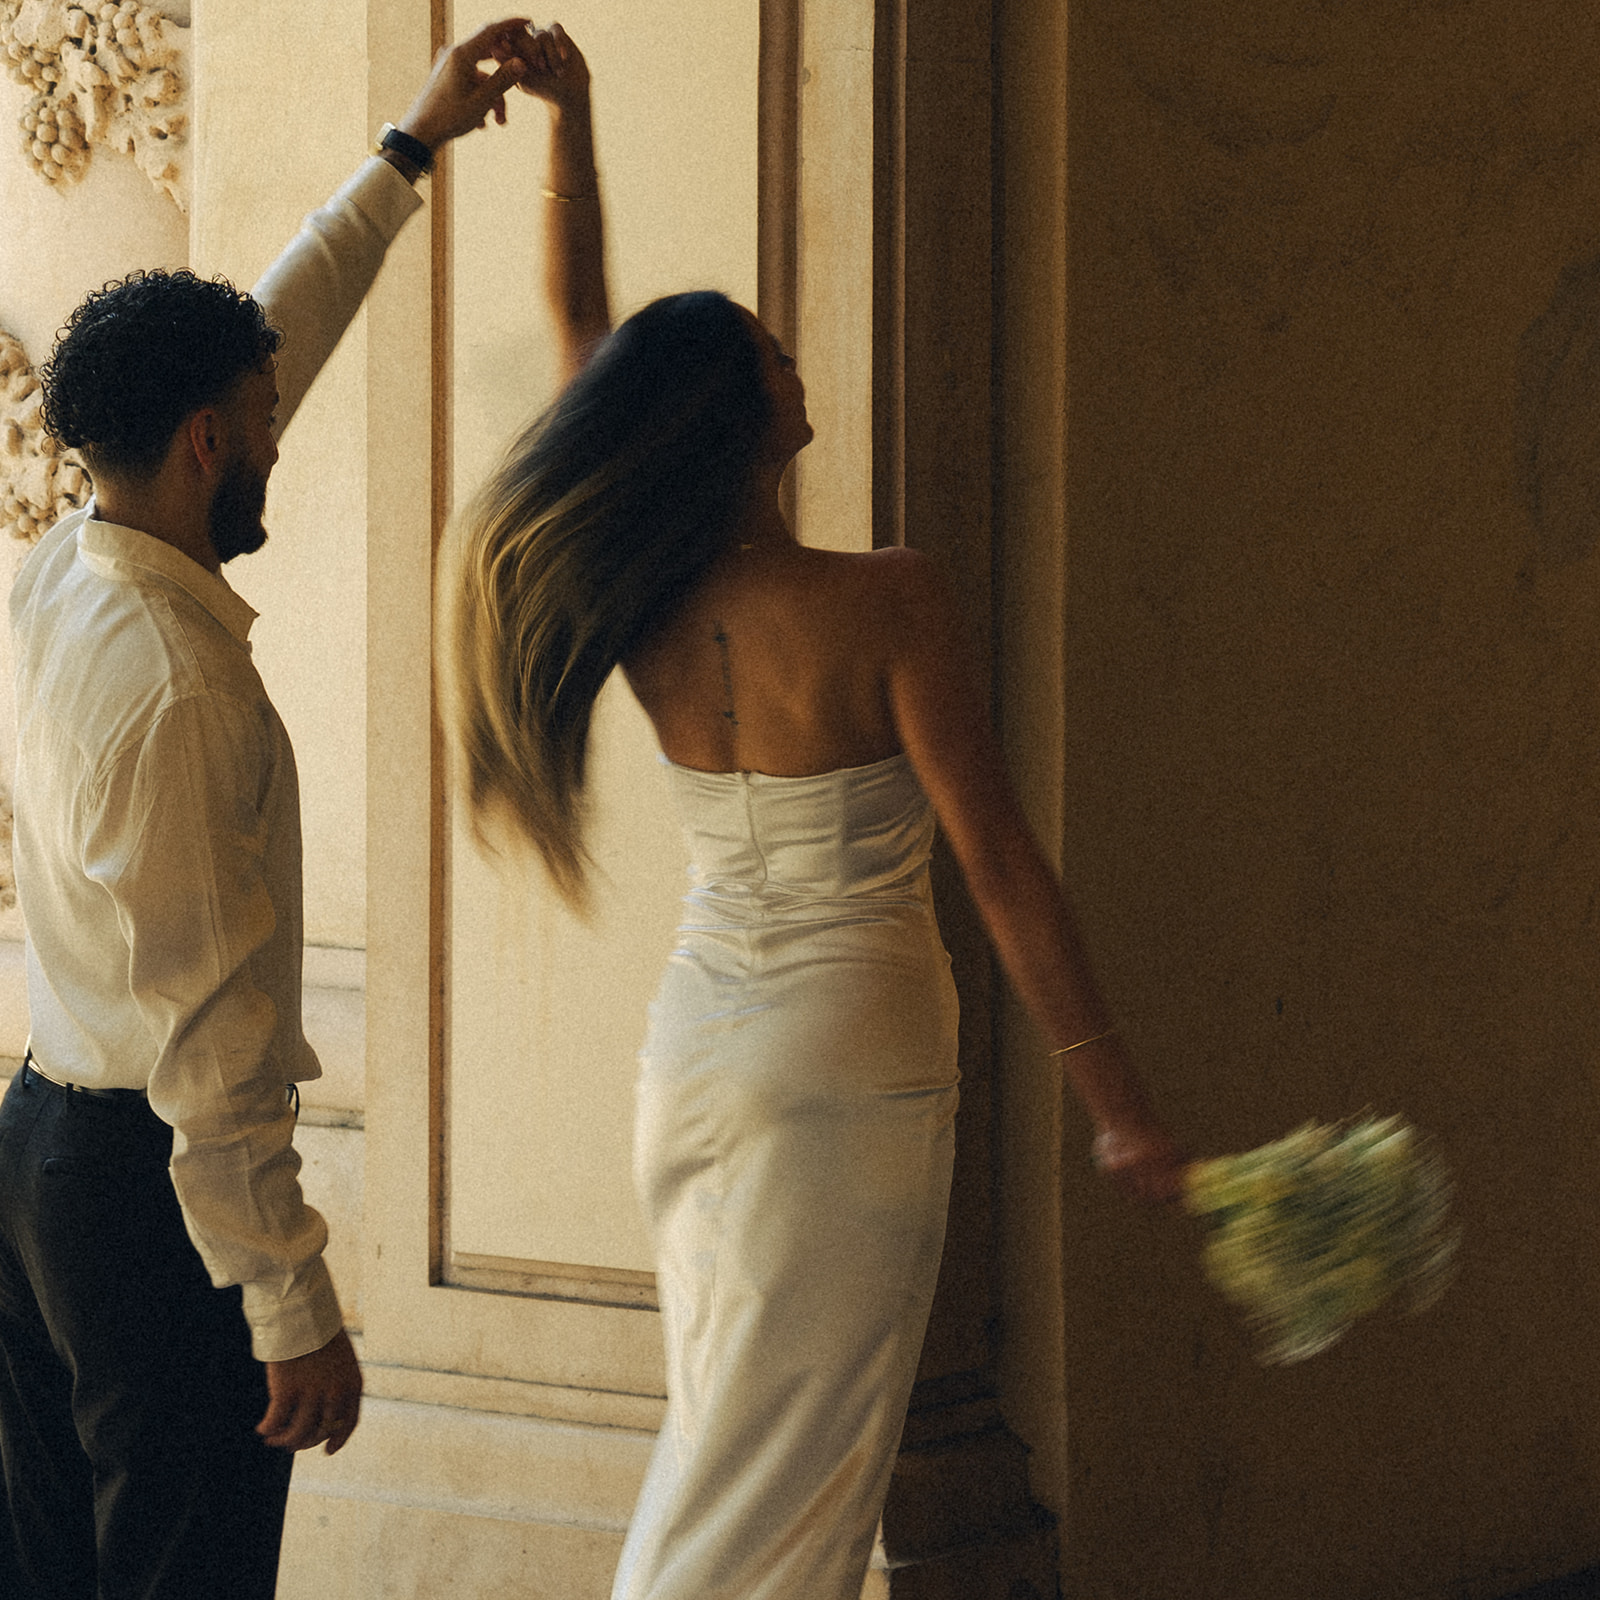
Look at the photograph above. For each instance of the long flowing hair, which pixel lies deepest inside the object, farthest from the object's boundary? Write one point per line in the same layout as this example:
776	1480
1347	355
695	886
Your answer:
600	519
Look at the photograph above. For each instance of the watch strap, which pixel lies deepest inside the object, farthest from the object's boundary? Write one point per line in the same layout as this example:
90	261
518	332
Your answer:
403	144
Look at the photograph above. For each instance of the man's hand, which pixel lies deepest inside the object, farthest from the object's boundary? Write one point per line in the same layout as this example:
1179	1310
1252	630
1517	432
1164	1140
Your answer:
313	1397
458	96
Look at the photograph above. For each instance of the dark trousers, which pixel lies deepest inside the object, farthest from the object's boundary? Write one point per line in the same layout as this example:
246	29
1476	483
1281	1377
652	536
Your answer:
128	1393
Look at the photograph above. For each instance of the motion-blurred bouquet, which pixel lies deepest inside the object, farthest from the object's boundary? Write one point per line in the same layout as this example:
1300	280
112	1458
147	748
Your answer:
1310	1232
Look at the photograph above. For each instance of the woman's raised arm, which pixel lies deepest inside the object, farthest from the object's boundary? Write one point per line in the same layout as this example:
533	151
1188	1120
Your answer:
574	232
943	722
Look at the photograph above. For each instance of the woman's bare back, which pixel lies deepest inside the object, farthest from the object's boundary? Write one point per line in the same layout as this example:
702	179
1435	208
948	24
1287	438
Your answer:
778	663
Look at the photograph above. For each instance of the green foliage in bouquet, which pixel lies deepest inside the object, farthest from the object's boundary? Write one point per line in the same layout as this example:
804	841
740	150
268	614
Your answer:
1315	1230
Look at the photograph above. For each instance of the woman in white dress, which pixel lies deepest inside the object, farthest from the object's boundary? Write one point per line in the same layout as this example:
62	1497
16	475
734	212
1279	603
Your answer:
816	712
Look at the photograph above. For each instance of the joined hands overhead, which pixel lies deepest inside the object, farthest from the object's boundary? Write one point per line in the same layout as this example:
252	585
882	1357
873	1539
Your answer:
553	67
459	95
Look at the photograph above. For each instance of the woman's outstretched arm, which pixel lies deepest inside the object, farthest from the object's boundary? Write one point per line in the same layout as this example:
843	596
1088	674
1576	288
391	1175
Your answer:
943	723
574	230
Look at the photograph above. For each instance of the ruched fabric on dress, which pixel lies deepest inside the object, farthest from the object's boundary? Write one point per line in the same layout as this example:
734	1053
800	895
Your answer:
793	1147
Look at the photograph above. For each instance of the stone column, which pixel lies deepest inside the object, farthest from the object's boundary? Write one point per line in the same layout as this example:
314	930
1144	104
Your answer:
960	1521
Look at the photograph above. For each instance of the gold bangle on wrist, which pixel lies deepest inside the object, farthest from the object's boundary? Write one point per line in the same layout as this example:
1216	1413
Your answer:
1093	1038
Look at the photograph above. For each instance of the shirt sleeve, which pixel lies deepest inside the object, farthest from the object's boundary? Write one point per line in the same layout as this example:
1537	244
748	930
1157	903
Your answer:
177	837
314	289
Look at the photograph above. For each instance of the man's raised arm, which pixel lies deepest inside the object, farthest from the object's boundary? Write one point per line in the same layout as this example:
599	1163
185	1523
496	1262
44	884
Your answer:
315	287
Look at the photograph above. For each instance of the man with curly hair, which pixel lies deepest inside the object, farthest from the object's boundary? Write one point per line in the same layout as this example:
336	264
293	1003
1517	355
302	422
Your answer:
169	1333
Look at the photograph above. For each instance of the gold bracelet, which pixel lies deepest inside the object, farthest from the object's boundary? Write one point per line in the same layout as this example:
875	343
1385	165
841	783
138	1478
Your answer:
567	199
1094	1038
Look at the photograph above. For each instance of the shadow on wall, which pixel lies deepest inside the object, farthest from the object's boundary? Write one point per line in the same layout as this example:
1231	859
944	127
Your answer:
1558	420
1583	1585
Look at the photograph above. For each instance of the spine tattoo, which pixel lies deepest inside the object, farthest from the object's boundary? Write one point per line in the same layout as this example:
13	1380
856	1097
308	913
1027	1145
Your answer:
721	636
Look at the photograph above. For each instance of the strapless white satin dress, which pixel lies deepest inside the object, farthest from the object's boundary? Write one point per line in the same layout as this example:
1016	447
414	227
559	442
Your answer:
793	1146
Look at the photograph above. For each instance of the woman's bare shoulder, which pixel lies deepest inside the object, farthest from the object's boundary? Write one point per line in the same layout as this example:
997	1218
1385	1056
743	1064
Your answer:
893	573
888	601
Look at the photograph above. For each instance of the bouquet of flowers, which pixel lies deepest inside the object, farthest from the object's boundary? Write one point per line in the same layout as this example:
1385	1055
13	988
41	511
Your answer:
1312	1231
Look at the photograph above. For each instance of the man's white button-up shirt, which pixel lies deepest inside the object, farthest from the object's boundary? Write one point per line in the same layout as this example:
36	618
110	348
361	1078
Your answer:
157	837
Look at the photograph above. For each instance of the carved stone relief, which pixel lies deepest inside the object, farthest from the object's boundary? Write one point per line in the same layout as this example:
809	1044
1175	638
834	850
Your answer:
112	74
39	482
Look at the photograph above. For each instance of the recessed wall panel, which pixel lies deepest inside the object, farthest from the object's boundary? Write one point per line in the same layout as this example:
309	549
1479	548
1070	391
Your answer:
545	1012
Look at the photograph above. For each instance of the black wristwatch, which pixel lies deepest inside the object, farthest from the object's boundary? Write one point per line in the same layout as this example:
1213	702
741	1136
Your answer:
414	150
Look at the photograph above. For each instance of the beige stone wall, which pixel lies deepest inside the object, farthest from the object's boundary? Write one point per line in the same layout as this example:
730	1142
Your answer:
1333	809
309	582
833	475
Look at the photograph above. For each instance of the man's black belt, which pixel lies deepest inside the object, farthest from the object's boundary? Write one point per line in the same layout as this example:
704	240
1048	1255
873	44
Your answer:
32	1074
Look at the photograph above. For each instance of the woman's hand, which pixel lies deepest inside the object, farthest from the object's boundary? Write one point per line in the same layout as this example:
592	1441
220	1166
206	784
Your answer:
1142	1159
554	68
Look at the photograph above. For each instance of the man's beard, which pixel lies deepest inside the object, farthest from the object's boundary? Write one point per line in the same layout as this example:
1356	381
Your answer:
234	521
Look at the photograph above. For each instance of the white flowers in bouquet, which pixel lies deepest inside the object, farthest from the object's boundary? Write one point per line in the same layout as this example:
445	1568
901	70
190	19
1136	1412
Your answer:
1310	1232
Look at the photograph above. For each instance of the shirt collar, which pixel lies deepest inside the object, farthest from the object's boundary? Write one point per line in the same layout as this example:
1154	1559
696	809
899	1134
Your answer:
106	545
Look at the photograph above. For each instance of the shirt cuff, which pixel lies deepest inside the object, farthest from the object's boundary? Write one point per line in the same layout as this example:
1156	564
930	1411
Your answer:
381	195
285	1326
